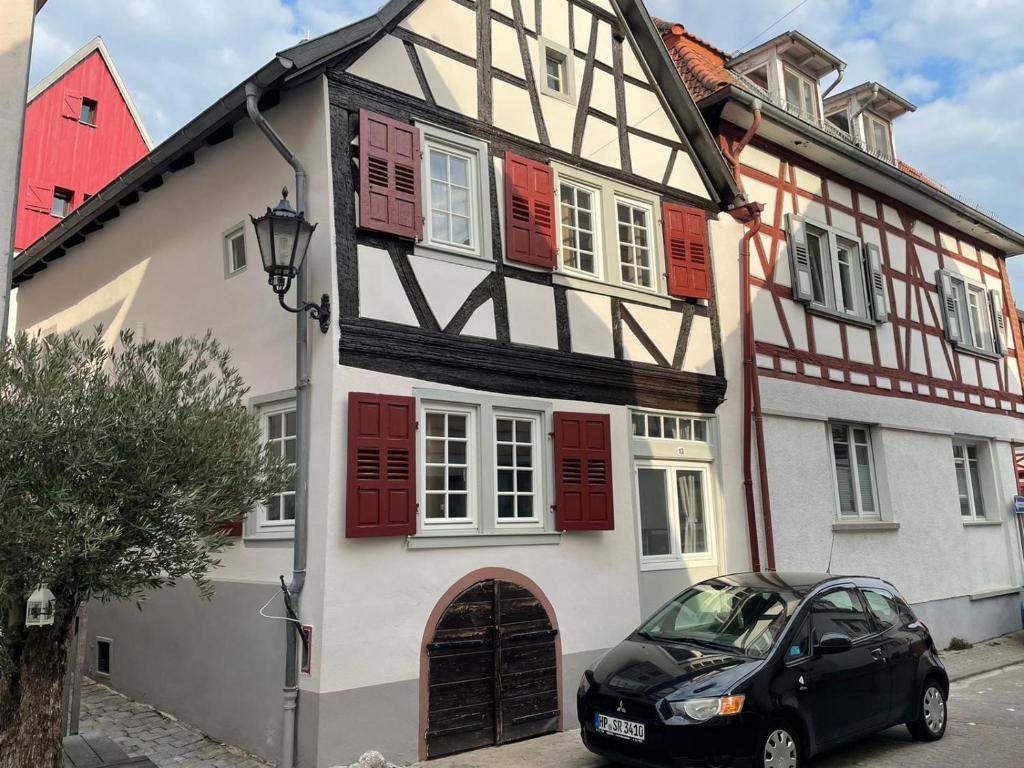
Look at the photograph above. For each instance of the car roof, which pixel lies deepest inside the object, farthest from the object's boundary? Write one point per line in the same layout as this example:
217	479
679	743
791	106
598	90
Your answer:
798	582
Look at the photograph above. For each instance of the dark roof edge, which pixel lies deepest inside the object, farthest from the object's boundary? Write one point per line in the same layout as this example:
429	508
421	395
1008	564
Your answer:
708	160
854	153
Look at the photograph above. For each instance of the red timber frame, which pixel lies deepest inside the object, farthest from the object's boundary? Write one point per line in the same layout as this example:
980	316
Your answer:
788	362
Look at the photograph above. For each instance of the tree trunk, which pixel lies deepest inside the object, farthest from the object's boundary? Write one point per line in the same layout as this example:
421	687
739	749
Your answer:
31	698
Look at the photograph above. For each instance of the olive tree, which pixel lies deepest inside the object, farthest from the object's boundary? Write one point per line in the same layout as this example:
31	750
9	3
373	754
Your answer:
119	470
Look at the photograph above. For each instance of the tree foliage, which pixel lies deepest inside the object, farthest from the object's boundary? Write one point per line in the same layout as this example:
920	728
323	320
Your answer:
119	468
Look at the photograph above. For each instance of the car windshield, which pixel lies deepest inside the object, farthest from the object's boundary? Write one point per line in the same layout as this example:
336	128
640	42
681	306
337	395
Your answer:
724	616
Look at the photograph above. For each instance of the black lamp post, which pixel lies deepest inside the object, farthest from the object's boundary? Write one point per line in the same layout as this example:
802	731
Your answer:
283	236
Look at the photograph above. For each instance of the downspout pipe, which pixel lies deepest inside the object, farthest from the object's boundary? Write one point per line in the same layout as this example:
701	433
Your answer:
866	104
838	80
293	590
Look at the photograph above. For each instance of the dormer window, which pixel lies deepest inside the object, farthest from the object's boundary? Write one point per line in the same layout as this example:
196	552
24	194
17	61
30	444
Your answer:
840	120
801	92
877	136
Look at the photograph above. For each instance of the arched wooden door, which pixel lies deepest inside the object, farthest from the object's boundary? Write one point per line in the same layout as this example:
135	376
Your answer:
493	672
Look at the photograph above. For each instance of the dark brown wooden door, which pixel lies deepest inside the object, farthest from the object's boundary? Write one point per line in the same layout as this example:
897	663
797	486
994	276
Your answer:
492	670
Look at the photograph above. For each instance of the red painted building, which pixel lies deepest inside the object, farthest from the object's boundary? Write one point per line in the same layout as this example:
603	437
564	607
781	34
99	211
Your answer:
81	130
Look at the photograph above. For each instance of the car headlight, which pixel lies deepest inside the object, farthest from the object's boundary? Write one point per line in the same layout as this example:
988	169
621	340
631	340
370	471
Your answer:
700	710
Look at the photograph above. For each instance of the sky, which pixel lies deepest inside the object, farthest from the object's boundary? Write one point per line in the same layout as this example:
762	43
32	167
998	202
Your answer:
961	63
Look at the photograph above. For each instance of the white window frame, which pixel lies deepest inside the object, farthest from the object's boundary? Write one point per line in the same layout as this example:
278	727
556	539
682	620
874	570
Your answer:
476	151
597	220
803	80
229	237
834	304
861	514
676	558
869	120
471	412
278	409
253	527
660	418
652	253
976	505
537	421
565	57
845	112
95	107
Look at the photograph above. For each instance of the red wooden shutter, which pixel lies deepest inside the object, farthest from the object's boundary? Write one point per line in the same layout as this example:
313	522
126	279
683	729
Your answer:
686	251
583	472
529	211
38	197
71	105
389	176
233	529
381	466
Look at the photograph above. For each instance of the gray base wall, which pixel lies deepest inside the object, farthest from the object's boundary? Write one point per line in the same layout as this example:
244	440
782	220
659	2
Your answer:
972	620
217	665
386	718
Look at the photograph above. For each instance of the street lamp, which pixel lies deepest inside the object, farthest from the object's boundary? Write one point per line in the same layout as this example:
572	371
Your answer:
40	608
283	236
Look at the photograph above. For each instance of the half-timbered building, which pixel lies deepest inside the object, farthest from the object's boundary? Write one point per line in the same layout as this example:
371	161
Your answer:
881	397
512	199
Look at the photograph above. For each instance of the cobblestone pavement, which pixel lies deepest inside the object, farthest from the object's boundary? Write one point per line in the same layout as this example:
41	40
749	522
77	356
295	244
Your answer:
141	730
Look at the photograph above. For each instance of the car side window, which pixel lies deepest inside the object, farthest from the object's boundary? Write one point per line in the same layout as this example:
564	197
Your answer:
799	644
883	607
840	611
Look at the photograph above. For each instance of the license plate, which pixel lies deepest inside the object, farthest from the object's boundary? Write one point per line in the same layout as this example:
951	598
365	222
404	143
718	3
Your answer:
623	729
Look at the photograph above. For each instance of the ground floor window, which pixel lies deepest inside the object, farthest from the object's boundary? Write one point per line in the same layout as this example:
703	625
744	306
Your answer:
968	481
279	432
854	471
675	521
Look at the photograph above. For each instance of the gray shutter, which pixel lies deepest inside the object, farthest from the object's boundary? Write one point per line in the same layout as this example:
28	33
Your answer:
995	303
799	259
876	283
951	316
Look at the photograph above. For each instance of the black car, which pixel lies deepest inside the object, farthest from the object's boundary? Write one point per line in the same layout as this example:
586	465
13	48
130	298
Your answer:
766	670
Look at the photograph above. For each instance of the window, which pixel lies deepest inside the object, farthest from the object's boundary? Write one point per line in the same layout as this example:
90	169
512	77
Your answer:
61	205
88	113
759	77
801	93
279	430
557	78
234	251
854	471
674	511
840	120
104	647
973	315
883	607
968	481
877	139
669	427
636	260
840	612
516	462
800	642
447	456
578	224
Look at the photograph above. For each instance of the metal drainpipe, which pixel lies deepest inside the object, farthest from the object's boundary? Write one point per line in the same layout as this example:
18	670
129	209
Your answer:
838	80
291	687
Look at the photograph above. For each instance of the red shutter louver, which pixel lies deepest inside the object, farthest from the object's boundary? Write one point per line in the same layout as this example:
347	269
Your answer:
529	212
686	251
381	466
389	176
233	528
583	472
38	197
71	105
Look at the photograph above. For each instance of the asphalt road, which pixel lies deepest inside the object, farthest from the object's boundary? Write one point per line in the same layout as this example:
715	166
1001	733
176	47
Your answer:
986	728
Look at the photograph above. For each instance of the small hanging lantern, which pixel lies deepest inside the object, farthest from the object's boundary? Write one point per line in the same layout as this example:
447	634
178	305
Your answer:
41	607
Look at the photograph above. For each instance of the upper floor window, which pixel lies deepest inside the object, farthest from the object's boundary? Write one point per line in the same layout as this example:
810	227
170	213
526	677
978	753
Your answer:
279	432
578	206
854	471
841	120
517	458
835	273
973	314
968	481
877	135
449	465
234	251
801	92
635	255
88	112
61	205
557	79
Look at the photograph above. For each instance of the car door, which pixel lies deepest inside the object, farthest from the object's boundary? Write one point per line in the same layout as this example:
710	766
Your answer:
847	693
897	644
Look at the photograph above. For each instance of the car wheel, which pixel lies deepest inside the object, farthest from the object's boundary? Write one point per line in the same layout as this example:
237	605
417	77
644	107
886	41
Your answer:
930	723
778	746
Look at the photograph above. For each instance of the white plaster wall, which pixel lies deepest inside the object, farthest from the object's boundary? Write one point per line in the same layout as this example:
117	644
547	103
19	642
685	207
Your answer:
380	583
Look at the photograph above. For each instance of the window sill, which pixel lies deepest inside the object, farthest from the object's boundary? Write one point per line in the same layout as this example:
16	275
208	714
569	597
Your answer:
981	523
283	534
982	353
678	565
865	526
594	285
841	317
456	540
454	257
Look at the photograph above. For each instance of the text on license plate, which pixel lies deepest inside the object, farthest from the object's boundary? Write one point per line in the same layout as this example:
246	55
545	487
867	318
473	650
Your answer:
624	729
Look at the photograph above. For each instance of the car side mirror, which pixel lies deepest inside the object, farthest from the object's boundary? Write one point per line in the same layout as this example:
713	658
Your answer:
834	642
